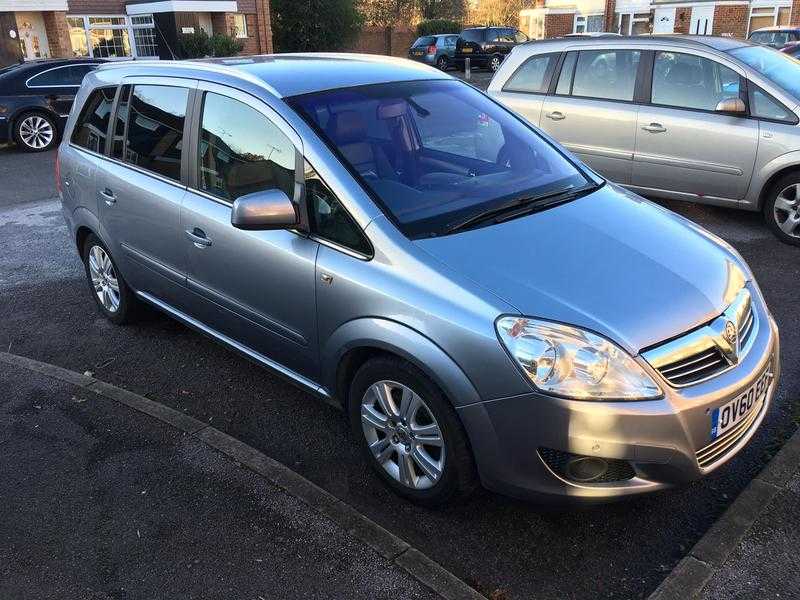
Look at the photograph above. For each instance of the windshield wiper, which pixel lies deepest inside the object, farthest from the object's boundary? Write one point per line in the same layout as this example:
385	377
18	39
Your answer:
520	206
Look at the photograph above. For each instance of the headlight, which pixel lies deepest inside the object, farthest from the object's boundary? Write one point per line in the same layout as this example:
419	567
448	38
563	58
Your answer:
571	362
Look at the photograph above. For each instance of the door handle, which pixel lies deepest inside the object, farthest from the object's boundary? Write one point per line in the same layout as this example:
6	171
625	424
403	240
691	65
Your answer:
108	196
654	128
556	115
198	237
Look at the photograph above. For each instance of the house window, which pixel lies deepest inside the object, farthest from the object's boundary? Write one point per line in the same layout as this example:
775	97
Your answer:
240	25
104	36
588	23
633	23
77	35
768	16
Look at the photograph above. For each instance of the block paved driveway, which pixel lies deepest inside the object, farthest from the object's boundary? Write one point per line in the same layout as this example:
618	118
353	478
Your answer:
495	544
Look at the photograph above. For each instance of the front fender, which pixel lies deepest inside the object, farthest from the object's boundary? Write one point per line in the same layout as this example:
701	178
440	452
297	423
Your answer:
396	338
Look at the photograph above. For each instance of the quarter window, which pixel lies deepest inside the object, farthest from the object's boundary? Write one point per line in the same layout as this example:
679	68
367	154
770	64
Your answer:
242	151
764	106
328	219
154	141
533	76
687	81
606	74
91	127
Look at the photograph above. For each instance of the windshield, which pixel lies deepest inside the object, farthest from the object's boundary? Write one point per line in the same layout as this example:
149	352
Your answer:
780	68
434	152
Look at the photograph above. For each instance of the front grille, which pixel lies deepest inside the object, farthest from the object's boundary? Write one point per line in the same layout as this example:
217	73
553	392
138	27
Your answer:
747	327
696	367
718	449
618	470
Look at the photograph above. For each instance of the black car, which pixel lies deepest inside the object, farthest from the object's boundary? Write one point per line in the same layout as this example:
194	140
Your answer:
35	100
487	46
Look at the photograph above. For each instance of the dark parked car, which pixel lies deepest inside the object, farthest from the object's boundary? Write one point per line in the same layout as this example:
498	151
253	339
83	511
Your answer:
436	50
35	100
792	50
777	37
487	46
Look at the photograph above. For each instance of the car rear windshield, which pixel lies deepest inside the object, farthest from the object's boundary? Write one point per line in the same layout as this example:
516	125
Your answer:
426	40
780	68
433	152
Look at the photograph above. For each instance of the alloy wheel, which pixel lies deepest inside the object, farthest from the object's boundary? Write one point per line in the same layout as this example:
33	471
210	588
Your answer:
494	64
104	279
403	434
36	132
442	63
786	210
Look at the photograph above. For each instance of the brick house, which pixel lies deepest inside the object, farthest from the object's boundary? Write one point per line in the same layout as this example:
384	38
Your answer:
31	29
735	18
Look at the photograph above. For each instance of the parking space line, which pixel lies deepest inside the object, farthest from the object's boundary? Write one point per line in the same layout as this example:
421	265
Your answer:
401	553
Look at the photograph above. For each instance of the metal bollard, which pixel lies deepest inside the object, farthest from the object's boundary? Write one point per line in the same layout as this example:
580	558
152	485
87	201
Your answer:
467	74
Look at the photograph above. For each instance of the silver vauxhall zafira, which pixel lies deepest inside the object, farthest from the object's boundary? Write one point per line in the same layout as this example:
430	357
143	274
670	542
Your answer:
485	308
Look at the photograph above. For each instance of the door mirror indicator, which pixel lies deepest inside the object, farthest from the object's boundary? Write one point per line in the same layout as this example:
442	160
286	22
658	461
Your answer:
733	106
269	209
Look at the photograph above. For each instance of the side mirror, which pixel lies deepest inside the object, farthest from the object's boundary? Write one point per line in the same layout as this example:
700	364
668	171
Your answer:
732	106
269	209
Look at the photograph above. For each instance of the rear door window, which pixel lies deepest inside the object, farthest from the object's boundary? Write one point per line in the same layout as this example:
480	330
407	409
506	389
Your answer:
156	118
606	74
91	128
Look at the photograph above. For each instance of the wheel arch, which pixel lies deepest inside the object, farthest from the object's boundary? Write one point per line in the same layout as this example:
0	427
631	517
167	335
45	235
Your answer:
767	186
29	110
359	340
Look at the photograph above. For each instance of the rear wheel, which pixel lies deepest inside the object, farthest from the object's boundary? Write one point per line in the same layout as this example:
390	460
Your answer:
113	296
782	209
409	433
35	132
495	62
442	63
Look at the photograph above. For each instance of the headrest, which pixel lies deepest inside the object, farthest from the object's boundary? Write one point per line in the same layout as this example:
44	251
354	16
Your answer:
390	109
347	127
684	74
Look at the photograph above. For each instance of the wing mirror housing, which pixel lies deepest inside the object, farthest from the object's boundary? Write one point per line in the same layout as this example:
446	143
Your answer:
265	210
731	106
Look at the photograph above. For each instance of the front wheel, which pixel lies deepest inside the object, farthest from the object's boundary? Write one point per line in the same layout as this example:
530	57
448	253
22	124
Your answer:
782	209
409	433
494	63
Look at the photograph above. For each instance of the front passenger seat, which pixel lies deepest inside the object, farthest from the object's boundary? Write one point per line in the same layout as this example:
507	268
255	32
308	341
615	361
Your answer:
349	130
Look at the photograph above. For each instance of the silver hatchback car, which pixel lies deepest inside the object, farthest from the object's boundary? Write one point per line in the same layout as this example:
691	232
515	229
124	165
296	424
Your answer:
699	118
484	307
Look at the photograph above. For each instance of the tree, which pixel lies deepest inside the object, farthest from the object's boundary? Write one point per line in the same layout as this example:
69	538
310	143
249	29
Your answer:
388	14
453	10
496	12
314	25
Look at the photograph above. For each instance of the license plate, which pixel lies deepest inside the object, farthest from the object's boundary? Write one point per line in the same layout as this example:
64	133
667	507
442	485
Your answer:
466	50
730	414
417	53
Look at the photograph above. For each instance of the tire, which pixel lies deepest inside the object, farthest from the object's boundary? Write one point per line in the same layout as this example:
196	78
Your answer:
494	63
36	132
442	63
403	447
782	208
117	305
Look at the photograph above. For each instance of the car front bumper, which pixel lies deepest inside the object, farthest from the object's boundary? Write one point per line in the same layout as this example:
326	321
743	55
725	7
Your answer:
658	439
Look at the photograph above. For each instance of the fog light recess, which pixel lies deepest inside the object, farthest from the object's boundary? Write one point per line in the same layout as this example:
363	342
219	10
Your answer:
586	469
